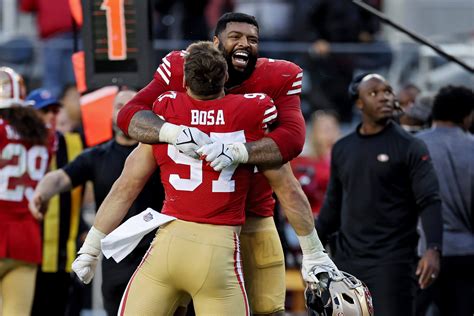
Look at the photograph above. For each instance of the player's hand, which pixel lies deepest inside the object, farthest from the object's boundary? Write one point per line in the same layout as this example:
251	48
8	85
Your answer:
428	268
84	267
186	139
316	263
221	155
36	206
85	263
190	139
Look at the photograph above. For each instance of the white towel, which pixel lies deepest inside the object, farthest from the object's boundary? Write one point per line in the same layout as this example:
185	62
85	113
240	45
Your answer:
120	242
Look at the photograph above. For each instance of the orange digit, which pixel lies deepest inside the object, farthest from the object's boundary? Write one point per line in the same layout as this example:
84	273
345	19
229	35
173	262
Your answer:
116	38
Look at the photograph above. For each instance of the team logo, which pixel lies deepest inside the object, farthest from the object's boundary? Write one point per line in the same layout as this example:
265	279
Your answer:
45	94
383	157
148	217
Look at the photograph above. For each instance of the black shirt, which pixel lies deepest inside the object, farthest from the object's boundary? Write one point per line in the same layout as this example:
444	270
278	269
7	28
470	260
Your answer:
102	165
378	186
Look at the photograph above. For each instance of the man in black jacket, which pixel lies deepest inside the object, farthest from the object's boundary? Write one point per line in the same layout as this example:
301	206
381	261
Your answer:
381	180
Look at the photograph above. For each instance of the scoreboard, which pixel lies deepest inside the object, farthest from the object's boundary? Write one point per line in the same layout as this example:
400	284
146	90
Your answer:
118	43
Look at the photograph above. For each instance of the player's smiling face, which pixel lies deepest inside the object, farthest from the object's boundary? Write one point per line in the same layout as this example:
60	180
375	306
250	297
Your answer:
239	43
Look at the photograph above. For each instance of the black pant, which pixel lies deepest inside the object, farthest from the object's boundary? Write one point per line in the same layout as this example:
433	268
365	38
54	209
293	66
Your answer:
457	286
51	293
392	286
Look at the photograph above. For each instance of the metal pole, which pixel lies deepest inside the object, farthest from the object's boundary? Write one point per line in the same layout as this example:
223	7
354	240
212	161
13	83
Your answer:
413	35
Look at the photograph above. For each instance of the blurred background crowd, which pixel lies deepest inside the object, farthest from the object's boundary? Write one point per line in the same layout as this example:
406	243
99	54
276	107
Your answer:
332	40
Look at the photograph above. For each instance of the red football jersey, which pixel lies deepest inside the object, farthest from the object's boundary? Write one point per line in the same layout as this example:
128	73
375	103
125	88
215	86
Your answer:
194	191
22	165
279	79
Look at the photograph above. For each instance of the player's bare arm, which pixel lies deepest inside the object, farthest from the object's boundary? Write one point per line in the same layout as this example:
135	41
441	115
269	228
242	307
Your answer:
145	127
264	152
137	169
54	182
297	209
149	128
292	198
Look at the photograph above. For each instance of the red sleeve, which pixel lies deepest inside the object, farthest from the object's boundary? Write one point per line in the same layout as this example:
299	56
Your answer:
270	113
143	100
168	76
28	5
289	134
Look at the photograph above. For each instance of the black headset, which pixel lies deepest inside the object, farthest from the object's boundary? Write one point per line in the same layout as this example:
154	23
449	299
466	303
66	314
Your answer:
353	89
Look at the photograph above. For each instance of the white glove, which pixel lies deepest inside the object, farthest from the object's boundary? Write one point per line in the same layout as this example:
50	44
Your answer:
222	155
186	139
84	265
319	262
315	259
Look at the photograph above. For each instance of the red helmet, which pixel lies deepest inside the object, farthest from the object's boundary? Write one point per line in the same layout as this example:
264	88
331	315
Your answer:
12	88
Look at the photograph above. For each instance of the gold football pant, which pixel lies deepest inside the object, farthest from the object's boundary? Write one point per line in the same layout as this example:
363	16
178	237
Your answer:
189	259
264	265
17	287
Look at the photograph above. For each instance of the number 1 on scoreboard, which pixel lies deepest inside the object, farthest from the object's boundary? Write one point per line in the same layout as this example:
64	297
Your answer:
116	36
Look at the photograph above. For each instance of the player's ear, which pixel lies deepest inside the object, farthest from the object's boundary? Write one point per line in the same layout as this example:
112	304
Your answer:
215	41
359	104
226	76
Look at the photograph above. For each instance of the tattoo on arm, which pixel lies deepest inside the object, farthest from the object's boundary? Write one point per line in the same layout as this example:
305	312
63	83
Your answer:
264	152
145	127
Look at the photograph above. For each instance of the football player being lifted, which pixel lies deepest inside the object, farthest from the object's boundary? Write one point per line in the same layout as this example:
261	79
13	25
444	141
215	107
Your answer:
237	36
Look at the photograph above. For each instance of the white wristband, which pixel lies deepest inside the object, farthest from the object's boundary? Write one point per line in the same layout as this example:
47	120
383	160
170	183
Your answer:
240	152
310	244
168	133
91	245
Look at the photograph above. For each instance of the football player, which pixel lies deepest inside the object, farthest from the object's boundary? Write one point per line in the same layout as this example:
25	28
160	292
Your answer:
201	198
237	36
24	157
198	254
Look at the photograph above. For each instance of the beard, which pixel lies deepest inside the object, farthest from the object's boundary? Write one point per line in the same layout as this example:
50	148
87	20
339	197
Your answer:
236	77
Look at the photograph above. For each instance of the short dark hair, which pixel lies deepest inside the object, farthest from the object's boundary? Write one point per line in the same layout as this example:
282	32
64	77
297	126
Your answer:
234	17
205	69
453	103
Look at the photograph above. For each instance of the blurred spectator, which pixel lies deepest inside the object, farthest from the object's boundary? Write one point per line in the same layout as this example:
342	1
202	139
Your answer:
61	221
312	171
381	180
452	151
70	99
102	165
23	140
407	95
340	21
55	25
63	122
417	116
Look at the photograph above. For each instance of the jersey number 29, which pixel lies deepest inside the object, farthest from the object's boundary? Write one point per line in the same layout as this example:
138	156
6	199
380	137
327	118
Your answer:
26	163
